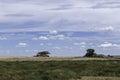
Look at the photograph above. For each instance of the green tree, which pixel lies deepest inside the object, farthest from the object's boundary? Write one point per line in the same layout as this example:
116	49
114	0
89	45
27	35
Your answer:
90	53
43	54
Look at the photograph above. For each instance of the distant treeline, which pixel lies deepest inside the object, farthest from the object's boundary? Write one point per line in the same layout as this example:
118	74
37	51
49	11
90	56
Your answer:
90	53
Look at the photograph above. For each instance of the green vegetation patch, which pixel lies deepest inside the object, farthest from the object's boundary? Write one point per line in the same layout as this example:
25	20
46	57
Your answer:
58	70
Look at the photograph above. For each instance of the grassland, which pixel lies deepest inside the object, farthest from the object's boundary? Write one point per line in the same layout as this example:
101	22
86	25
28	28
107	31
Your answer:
53	58
99	78
31	68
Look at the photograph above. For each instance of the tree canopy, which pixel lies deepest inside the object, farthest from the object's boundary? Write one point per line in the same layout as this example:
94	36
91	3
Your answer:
90	53
43	54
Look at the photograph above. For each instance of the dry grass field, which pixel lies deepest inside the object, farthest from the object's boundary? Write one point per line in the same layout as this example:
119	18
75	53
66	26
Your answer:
52	58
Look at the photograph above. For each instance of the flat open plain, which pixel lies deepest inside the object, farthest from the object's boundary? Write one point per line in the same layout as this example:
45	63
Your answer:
52	58
59	68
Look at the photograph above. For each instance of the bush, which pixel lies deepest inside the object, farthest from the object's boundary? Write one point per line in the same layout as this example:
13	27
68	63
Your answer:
42	54
90	53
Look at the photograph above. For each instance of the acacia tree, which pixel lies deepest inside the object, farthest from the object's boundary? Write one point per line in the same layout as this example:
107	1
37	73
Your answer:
43	54
90	53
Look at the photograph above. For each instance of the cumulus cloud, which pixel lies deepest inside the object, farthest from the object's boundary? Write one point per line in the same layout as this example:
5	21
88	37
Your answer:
28	15
109	28
3	38
60	37
108	44
81	44
51	37
53	32
21	44
90	19
43	38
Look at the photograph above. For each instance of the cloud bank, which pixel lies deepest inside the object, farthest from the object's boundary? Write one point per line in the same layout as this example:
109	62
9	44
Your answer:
62	26
64	15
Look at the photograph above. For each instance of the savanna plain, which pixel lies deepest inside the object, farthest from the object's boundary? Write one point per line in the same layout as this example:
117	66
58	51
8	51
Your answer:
59	68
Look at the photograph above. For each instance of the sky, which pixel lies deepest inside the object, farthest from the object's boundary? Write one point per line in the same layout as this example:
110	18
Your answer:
62	27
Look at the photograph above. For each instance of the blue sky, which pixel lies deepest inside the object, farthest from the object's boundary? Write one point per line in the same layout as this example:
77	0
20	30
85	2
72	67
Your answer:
64	27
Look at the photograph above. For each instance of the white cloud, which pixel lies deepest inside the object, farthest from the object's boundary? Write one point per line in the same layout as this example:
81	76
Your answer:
108	44
3	38
40	38
43	38
109	28
80	44
53	32
21	44
42	44
61	18
58	48
57	37
51	37
60	37
83	43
